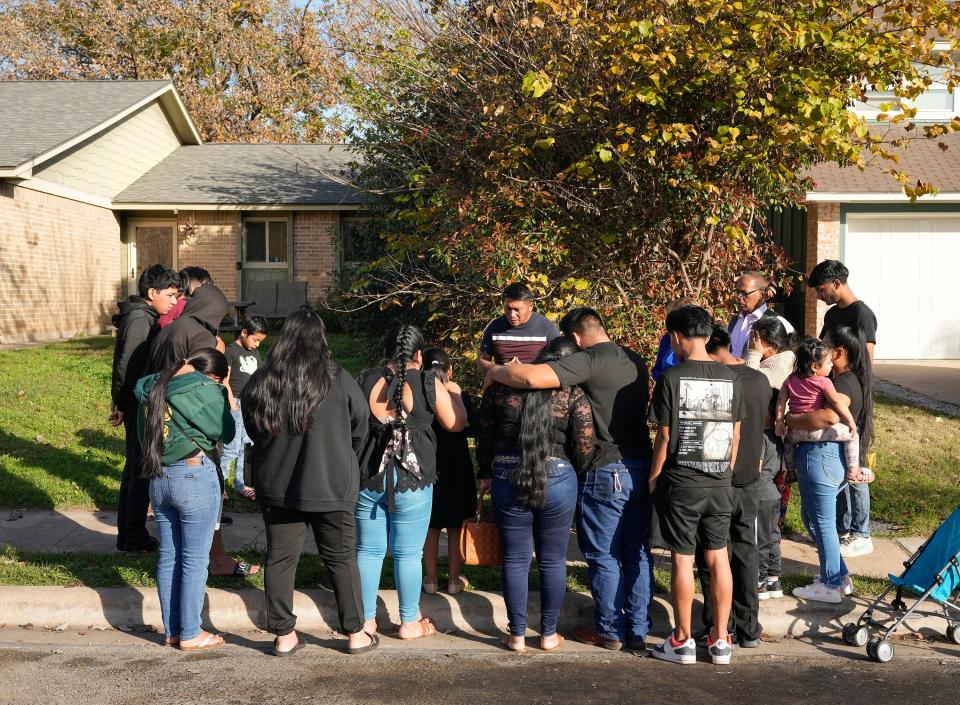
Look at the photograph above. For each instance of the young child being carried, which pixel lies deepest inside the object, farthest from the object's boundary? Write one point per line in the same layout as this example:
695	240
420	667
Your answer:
808	389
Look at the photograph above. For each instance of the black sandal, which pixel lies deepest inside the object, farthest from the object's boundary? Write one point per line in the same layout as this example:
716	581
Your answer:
374	643
277	652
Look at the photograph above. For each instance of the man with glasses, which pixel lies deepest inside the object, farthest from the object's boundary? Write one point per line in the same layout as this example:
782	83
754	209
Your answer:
751	291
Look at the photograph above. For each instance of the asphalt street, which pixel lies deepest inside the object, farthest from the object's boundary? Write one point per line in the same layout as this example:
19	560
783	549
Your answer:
113	668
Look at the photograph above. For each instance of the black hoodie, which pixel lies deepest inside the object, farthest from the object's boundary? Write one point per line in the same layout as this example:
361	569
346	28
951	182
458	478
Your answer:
136	324
196	328
315	471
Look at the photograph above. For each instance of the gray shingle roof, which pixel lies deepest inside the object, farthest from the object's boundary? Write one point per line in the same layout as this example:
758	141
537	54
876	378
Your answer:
37	116
922	160
248	174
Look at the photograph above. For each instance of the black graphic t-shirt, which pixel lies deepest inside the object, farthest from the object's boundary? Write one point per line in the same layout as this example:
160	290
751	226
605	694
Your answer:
700	402
243	363
503	342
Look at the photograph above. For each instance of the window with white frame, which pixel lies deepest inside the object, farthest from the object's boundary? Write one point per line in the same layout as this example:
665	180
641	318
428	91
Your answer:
265	242
934	104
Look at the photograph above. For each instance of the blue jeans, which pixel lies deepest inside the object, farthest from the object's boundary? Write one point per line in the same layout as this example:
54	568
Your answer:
821	469
185	502
235	450
523	530
405	530
853	510
613	527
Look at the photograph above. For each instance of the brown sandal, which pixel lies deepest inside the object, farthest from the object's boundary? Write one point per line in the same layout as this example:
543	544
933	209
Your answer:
210	641
427	628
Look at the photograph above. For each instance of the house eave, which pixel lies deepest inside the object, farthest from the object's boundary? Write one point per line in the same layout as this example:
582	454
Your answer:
237	206
825	197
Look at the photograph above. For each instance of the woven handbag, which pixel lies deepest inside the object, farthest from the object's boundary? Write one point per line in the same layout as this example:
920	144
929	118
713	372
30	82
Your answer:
480	539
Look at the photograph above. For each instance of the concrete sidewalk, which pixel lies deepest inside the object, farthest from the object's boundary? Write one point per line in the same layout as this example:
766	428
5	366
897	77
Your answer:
78	530
468	614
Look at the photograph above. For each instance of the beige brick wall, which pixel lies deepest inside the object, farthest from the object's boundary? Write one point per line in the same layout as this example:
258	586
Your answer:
214	247
60	266
823	242
315	250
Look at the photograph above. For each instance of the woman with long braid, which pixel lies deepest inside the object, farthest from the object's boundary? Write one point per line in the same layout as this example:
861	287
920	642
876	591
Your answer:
534	443
397	472
185	413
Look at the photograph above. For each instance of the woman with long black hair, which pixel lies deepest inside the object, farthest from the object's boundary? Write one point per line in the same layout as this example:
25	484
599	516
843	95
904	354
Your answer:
398	468
185	413
853	380
307	418
534	443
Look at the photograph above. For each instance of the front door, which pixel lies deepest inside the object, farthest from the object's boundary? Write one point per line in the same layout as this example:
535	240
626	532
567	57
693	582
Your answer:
149	242
266	250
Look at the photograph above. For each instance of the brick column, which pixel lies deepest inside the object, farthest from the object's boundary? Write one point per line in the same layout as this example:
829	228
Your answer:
315	250
823	242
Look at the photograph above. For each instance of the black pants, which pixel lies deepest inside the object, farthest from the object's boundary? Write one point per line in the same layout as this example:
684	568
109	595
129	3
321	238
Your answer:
744	621
134	490
336	536
768	539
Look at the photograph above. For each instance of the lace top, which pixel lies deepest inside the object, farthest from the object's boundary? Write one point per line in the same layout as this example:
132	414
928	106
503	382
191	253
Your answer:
411	446
498	426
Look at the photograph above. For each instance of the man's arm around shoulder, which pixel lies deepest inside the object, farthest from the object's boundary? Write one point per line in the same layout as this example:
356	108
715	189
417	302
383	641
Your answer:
522	376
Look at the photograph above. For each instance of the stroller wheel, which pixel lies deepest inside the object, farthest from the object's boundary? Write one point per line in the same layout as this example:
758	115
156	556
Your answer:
899	605
855	635
880	650
953	633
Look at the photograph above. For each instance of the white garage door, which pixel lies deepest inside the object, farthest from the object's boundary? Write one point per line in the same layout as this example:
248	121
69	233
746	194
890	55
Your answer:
907	269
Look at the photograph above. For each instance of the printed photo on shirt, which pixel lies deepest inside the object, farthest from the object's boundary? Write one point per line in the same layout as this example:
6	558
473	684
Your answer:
705	425
706	399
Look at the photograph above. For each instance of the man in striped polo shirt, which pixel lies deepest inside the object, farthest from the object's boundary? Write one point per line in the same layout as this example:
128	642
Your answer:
519	334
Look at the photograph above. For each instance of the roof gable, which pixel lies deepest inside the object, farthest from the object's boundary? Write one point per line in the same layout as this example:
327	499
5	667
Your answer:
40	119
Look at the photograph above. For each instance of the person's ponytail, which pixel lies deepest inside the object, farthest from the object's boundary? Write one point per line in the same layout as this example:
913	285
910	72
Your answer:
156	418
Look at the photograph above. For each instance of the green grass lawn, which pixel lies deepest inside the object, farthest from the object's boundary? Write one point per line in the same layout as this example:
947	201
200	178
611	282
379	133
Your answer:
124	569
57	450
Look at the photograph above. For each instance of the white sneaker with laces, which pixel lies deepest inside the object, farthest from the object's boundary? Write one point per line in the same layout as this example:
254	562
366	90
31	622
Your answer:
818	592
846	587
853	546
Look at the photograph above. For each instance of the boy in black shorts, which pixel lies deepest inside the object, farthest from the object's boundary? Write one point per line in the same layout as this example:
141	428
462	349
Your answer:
697	408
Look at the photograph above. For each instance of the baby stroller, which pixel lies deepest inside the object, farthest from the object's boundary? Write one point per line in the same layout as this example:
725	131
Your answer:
933	573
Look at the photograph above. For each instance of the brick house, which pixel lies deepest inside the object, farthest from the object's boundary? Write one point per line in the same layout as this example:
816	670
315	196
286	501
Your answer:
903	257
100	178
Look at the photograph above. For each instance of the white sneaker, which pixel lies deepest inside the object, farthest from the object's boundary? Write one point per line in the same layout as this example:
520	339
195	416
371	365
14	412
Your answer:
720	650
684	652
853	546
846	587
818	592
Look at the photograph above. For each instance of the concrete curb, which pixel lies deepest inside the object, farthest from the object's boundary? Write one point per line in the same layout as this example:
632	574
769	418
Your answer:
472	612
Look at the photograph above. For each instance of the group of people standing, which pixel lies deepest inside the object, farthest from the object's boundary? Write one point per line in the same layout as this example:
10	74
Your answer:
562	438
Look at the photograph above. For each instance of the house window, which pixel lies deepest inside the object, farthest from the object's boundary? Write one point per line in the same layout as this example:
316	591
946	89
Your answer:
266	241
936	103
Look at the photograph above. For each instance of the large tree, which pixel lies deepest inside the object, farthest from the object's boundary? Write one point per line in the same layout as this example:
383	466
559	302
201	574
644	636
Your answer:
248	70
618	153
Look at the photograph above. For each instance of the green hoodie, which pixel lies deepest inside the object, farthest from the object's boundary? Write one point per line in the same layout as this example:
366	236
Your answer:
198	404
